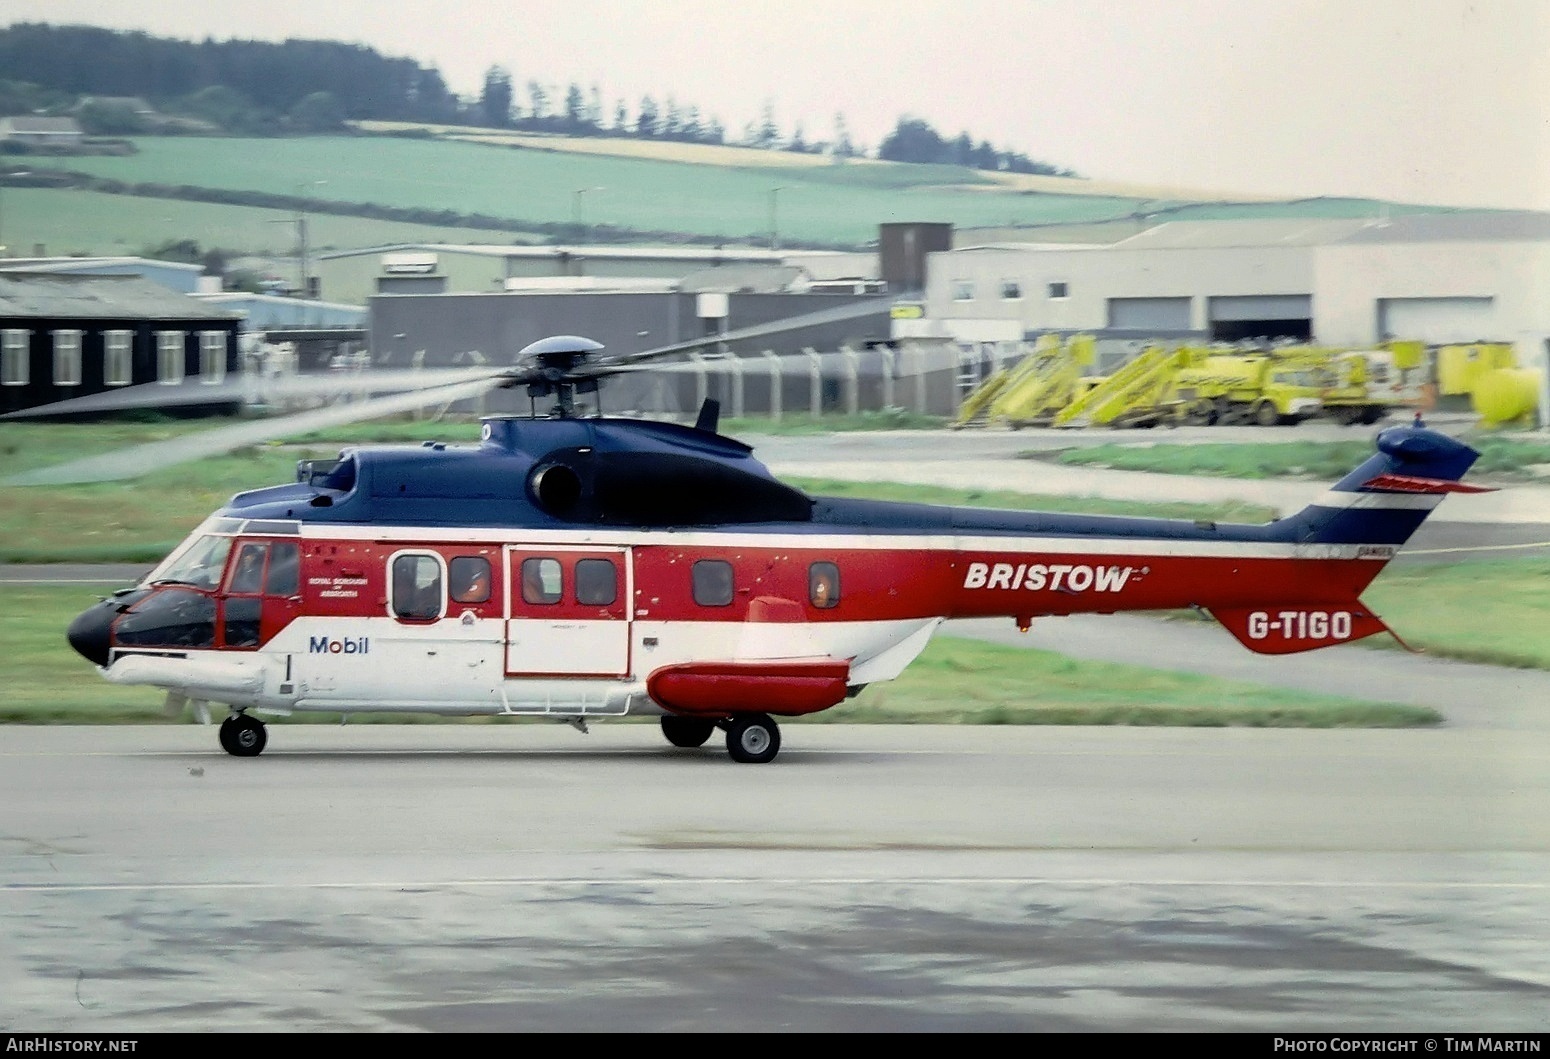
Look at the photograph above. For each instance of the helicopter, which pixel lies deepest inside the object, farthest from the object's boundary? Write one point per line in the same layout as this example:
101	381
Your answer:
584	567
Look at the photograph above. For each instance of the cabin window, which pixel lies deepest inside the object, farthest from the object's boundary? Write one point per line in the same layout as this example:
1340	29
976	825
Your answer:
713	582
963	290
541	581
169	357
67	358
469	576
823	585
1058	290
416	589
597	582
212	356
1011	290
117	360
13	357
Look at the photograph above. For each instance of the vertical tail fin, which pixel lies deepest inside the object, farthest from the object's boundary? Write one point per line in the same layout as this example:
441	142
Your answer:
1376	507
1386	499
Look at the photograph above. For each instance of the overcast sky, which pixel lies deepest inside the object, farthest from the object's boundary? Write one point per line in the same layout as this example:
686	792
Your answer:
1435	101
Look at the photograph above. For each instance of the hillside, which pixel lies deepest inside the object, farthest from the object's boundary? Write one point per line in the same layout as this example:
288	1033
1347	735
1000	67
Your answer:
542	188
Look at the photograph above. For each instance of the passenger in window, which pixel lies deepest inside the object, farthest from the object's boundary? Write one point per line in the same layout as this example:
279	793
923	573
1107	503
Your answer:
250	569
470	580
823	584
536	587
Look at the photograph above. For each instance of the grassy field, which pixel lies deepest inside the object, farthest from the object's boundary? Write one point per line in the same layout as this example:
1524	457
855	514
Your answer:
1499	455
1496	612
820	204
955	682
69	222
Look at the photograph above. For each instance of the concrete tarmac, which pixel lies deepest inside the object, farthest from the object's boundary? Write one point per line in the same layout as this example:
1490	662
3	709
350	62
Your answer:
874	878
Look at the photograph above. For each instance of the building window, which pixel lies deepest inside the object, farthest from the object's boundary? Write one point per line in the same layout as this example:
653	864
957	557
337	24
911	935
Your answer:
713	582
1059	289
212	356
13	357
963	290
823	585
416	585
117	358
541	581
169	357
597	582
67	358
1011	290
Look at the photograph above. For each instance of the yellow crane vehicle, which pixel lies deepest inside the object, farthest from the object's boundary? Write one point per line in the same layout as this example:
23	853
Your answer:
1039	398
1137	395
1030	392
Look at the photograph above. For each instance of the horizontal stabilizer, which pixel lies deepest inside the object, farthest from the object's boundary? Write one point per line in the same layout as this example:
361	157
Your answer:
1409	483
1298	627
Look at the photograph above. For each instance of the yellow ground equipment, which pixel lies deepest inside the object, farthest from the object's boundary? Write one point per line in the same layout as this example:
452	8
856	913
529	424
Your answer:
1135	395
1263	387
1364	385
1030	392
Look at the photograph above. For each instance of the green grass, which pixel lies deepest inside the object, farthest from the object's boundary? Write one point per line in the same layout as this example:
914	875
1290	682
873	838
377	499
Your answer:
826	205
1492	611
70	222
955	682
1311	459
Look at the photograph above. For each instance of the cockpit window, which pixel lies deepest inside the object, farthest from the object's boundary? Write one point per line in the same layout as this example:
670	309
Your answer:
247	573
200	565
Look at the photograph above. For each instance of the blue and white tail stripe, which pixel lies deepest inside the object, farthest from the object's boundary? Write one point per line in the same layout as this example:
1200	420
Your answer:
1386	499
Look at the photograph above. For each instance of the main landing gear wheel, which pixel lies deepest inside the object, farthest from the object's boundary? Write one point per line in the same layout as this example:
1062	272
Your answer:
752	738
243	736
687	731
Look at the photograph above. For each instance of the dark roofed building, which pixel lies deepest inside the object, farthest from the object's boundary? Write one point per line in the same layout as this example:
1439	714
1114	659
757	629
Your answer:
65	336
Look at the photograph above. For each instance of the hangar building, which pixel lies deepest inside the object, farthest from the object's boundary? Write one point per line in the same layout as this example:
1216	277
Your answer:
1462	276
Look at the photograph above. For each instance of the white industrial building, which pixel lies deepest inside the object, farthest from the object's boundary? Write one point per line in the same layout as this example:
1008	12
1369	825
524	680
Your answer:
1464	276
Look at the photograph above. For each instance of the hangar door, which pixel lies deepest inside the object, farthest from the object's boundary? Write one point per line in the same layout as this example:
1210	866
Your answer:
1149	314
1234	319
1438	320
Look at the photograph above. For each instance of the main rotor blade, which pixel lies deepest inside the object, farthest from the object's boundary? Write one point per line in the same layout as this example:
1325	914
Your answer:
247	389
143	459
853	311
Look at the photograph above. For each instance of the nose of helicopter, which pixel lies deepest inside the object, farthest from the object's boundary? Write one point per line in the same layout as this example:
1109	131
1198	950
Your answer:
90	632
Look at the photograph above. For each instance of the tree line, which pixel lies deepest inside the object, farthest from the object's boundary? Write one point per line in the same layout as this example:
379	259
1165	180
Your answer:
247	87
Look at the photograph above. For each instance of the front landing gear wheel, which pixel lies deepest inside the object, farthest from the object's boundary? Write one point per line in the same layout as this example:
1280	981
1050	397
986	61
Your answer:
687	731
243	736
753	738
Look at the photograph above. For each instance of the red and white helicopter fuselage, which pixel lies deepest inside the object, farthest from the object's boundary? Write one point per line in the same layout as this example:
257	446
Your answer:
760	605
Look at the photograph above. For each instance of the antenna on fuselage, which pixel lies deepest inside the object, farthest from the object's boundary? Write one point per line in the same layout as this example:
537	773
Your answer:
710	416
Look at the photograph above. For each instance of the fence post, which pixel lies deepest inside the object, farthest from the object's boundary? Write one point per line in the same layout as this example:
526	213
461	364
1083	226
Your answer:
775	384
